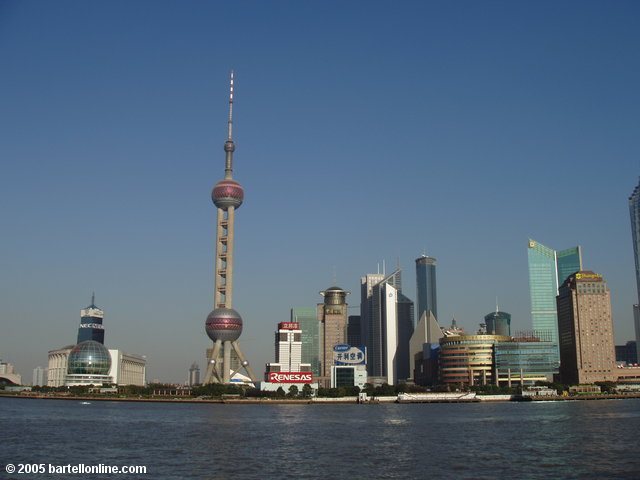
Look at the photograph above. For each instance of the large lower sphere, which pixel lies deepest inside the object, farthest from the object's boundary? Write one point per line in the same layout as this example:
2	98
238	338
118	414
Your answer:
89	358
224	324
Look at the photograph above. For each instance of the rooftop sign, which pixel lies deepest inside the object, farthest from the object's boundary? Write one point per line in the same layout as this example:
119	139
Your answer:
289	326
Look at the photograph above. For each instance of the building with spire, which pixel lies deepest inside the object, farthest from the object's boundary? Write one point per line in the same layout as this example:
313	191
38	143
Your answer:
89	362
91	327
224	324
498	323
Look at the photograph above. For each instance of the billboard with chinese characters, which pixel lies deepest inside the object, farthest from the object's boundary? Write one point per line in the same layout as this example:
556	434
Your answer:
289	326
348	355
290	377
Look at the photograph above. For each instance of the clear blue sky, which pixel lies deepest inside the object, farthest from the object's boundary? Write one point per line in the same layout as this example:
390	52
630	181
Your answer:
365	131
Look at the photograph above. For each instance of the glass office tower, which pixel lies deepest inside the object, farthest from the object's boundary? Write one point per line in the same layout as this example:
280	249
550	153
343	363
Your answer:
548	270
426	286
308	320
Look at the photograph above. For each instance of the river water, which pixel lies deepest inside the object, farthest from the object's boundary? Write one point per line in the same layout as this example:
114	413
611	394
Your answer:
533	440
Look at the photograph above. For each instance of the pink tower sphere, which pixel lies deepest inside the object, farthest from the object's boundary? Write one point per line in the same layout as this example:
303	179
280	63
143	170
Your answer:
227	193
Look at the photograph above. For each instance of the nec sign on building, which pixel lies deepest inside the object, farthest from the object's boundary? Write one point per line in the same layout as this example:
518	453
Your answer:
347	355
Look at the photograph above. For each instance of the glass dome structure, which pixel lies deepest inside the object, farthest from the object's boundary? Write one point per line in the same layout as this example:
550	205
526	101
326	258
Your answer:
89	358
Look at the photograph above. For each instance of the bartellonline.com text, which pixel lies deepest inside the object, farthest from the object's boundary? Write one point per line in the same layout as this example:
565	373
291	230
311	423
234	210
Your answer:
69	469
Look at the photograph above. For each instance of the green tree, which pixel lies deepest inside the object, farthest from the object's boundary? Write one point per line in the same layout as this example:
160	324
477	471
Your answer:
307	391
280	392
293	391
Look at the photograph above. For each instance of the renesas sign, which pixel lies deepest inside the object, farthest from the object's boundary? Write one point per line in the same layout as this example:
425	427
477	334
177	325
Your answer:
348	355
290	377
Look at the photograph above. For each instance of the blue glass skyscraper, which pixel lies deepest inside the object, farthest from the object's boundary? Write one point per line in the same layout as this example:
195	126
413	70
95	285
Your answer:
308	320
547	270
426	287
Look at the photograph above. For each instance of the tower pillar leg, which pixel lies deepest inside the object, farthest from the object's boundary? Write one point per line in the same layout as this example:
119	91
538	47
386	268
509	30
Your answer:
212	375
244	362
226	362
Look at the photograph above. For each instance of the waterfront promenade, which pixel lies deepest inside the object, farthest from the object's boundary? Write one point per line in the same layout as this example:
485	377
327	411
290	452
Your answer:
464	397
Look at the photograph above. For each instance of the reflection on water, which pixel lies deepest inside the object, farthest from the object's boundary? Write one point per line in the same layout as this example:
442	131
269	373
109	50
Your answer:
561	440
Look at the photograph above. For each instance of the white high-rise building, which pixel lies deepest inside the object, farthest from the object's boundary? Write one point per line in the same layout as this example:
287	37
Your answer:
288	350
387	320
39	377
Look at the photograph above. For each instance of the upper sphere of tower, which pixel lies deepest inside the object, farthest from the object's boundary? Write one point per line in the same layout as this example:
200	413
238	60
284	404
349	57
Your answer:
229	146
227	193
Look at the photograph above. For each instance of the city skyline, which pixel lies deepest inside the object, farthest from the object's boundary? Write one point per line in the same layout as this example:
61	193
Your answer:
479	115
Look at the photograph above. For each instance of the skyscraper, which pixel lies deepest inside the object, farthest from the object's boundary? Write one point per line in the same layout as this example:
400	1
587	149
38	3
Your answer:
194	374
426	299
39	377
366	305
547	270
634	210
288	350
91	327
585	328
307	318
332	318
388	314
354	331
224	324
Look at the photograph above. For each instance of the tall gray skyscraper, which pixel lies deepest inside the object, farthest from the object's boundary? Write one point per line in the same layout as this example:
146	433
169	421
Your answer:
634	210
194	374
39	377
426	299
388	315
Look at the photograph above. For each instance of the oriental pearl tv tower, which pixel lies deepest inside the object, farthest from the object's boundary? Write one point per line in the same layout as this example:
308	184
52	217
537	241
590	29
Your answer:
224	324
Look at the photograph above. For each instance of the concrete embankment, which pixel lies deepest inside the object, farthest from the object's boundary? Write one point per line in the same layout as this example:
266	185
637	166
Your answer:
401	398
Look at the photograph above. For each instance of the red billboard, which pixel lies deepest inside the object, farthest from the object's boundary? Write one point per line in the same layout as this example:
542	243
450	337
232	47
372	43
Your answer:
289	326
290	377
